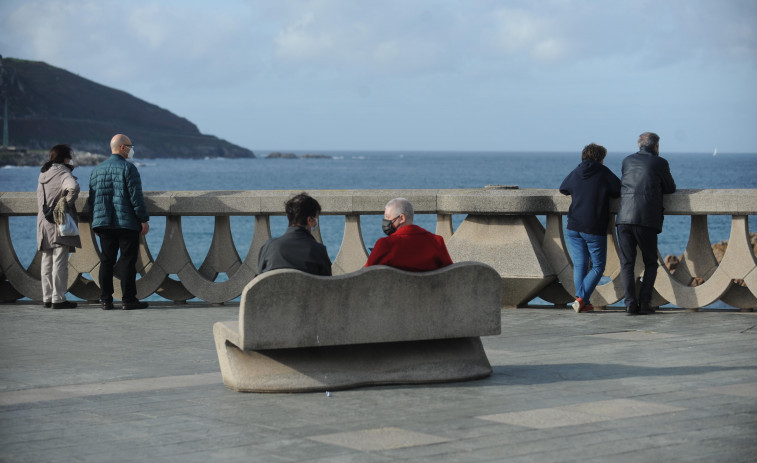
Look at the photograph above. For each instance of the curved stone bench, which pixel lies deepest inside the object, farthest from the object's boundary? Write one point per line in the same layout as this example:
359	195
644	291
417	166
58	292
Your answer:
299	332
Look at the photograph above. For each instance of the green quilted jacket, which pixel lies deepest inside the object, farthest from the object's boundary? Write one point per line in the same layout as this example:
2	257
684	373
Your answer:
115	195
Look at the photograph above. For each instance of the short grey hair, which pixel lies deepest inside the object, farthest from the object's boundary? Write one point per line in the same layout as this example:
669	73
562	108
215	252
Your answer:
648	140
401	206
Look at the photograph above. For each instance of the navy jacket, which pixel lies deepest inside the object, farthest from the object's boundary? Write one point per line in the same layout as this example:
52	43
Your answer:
646	177
296	249
590	185
115	195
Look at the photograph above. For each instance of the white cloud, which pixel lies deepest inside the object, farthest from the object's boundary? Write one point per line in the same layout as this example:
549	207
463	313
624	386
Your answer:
384	37
517	30
216	61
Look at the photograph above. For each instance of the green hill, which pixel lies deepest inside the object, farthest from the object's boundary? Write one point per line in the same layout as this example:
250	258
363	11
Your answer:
49	105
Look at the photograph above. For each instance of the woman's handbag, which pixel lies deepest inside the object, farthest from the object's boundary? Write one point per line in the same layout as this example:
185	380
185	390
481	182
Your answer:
68	227
66	224
47	211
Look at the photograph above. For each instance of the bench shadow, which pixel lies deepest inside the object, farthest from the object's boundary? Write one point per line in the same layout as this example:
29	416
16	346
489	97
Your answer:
531	375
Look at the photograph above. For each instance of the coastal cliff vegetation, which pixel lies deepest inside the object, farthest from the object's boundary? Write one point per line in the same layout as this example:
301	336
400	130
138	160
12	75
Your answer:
42	105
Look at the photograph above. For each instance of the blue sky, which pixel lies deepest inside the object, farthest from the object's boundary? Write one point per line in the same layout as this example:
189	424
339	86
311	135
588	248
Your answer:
490	75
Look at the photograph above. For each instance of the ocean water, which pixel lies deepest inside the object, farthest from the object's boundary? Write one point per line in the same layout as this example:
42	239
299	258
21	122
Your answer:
384	170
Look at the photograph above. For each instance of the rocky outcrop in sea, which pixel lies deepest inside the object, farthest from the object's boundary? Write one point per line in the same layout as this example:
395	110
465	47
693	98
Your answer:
718	249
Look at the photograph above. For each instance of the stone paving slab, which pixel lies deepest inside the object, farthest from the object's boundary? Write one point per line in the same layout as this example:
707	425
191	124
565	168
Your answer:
85	385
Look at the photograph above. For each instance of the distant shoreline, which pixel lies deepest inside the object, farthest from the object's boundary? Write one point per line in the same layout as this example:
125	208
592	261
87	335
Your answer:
19	157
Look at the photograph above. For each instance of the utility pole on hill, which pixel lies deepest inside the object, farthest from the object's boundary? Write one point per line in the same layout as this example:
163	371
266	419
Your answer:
4	93
5	124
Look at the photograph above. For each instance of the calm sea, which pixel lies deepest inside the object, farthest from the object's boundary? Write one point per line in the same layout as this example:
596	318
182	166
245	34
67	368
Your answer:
383	170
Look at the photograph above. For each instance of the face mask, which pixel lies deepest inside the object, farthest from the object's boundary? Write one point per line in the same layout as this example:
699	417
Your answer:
131	153
388	226
70	166
312	230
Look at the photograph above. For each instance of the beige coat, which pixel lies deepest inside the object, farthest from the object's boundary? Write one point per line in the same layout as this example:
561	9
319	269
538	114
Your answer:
57	179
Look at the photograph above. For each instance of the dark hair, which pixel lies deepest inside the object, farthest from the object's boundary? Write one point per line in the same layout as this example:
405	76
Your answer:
300	207
648	140
58	154
593	152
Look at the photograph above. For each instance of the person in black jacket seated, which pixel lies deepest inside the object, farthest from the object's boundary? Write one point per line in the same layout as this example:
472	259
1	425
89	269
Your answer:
297	248
646	177
590	186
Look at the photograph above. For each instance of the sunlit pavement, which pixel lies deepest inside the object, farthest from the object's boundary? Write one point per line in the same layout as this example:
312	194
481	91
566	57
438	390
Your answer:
88	385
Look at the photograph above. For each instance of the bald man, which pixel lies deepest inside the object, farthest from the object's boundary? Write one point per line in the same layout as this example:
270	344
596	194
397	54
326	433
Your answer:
119	215
408	247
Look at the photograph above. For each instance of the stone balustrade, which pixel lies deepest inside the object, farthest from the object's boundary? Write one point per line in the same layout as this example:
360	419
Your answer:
501	228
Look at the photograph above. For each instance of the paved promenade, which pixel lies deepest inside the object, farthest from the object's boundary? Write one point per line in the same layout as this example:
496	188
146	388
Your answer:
85	385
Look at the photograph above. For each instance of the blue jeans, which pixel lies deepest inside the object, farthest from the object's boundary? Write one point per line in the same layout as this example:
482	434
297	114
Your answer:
585	249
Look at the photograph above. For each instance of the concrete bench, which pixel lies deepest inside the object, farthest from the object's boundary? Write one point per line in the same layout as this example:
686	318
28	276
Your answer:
299	332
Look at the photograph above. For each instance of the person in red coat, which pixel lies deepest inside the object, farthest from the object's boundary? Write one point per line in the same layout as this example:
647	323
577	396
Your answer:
408	246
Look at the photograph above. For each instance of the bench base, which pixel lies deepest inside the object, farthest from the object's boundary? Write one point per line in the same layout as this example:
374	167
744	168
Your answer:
340	367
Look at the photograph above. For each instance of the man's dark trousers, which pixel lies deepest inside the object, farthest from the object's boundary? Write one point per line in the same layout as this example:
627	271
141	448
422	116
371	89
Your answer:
111	240
630	236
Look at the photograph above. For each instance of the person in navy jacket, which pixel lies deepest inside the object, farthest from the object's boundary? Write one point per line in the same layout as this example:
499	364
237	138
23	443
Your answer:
590	185
408	247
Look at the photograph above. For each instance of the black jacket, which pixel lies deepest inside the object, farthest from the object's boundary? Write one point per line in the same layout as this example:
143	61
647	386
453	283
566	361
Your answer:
296	249
646	177
590	185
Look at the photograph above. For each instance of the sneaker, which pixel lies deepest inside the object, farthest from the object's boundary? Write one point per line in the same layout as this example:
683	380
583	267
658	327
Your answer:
136	305
48	304
578	304
586	308
63	305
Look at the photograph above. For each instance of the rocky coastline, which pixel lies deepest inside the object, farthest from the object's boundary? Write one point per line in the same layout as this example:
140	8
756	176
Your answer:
718	250
19	157
280	155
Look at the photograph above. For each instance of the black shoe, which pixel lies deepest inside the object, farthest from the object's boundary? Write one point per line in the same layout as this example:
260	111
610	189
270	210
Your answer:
63	305
48	304
108	305
136	305
632	311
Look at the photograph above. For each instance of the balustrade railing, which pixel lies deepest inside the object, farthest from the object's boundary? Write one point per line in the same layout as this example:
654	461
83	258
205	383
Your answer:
500	228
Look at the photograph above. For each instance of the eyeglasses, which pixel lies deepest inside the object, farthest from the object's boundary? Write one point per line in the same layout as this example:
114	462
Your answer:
129	146
392	220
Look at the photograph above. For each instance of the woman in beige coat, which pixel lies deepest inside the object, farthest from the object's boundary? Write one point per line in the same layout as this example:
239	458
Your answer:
56	183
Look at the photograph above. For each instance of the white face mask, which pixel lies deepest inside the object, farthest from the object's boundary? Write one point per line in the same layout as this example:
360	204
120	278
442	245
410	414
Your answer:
312	230
131	153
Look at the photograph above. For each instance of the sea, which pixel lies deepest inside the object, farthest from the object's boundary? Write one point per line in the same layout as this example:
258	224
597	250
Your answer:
383	170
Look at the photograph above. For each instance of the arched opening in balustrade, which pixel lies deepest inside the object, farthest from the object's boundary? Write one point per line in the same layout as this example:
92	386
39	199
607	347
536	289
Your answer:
23	231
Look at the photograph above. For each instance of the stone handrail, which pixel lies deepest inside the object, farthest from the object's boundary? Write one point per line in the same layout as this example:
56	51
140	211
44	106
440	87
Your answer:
501	229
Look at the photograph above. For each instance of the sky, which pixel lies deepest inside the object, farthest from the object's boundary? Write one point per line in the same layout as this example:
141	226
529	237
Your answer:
417	75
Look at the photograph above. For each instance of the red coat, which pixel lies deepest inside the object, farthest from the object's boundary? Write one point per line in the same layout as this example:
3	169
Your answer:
410	248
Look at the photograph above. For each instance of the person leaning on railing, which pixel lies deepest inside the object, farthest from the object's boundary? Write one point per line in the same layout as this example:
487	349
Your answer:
590	186
646	177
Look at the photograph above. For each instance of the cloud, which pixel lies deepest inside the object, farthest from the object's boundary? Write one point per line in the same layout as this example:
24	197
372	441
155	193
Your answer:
384	37
448	63
203	43
519	31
